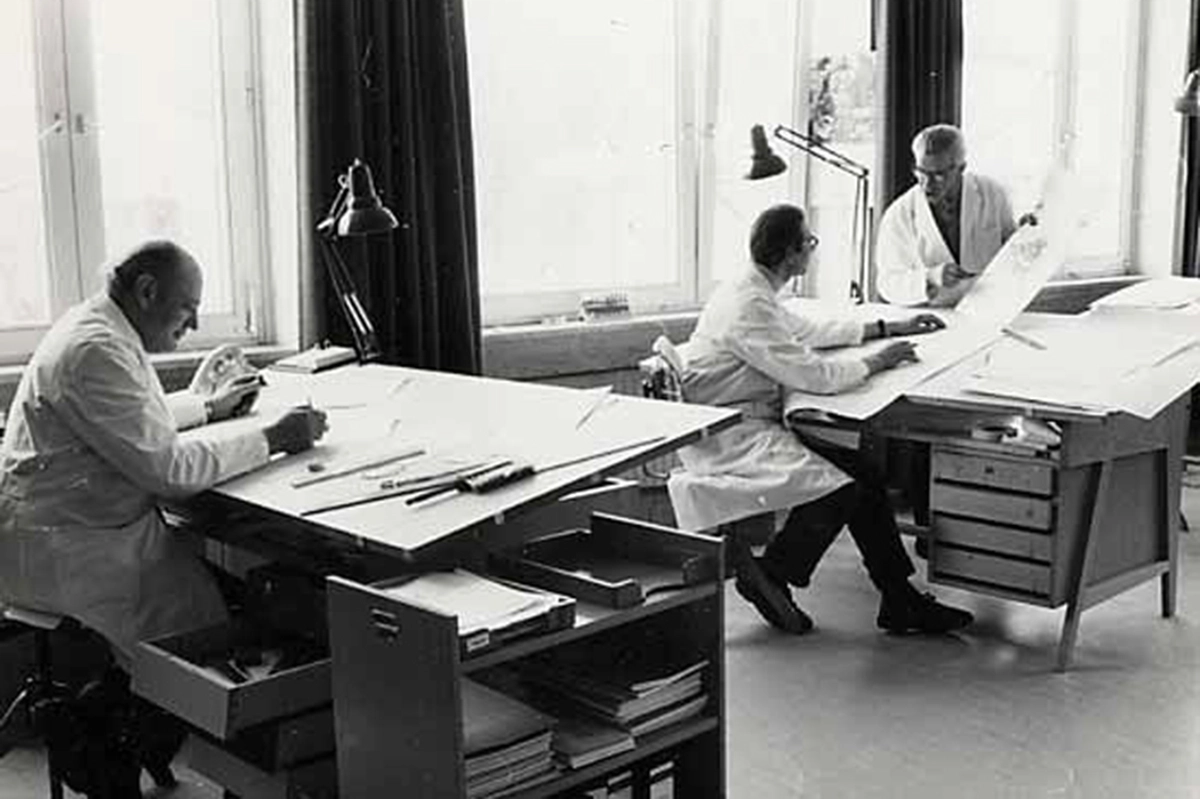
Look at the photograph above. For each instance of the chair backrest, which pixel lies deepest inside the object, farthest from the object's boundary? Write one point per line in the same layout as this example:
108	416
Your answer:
662	372
31	618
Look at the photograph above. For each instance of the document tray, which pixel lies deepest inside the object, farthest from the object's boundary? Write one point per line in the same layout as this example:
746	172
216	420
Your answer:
615	564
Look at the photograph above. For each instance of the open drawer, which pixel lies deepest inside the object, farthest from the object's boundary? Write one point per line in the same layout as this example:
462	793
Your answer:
177	673
615	562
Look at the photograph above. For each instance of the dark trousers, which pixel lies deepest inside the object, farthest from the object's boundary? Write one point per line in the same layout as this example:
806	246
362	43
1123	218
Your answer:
863	505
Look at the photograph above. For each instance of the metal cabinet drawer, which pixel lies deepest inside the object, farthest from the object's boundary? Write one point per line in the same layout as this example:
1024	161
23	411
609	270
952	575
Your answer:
993	538
1026	476
977	503
949	563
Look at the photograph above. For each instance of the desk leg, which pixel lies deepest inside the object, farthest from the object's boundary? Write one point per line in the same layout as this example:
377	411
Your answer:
1082	563
1170	470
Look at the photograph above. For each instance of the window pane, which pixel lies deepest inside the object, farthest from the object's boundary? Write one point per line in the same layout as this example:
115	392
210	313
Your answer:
24	288
1010	72
1099	151
756	85
159	104
841	107
574	116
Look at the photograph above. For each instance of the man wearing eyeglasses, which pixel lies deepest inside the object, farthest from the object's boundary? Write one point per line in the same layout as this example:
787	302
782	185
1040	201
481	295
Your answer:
747	349
938	237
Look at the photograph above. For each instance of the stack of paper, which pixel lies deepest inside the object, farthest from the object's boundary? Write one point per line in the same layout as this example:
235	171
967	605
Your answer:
483	607
637	705
506	743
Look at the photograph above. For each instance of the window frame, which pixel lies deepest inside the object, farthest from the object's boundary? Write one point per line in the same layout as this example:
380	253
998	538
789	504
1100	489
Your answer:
69	166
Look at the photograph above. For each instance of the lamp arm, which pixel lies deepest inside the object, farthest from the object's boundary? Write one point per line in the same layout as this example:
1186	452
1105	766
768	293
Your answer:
326	225
366	344
814	148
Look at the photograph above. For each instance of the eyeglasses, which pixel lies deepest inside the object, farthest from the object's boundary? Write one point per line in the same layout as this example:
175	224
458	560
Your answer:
940	174
809	243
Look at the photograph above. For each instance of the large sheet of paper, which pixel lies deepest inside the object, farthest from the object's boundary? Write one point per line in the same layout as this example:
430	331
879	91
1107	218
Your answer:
1010	282
1099	362
1029	258
937	352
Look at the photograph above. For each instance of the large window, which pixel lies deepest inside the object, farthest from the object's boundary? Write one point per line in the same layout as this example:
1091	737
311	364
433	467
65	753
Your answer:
611	140
1067	90
125	121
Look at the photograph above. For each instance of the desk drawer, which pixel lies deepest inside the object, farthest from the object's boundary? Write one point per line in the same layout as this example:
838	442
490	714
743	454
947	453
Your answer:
993	472
993	506
171	672
993	538
950	562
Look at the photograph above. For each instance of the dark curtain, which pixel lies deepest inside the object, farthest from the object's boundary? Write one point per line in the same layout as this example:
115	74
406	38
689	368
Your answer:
923	56
386	81
1190	155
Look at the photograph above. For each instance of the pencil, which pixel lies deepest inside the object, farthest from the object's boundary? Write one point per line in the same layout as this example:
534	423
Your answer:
1024	339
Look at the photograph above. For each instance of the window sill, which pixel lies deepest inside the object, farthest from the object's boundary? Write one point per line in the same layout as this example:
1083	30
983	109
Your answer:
174	368
533	351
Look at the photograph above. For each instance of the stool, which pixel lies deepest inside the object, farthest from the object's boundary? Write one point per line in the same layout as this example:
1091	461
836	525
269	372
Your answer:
41	683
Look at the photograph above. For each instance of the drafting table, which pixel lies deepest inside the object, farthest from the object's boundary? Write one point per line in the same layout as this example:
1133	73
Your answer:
482	416
395	668
1074	526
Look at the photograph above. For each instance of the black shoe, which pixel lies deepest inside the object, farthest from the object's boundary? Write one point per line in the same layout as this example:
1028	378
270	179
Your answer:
773	599
920	613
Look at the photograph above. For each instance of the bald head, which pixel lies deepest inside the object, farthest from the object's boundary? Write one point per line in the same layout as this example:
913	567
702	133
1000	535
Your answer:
158	286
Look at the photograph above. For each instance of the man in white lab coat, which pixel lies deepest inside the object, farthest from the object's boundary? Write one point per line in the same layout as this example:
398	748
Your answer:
92	444
746	349
938	237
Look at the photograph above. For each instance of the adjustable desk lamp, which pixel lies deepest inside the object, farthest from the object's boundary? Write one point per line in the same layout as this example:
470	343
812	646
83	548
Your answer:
767	164
356	211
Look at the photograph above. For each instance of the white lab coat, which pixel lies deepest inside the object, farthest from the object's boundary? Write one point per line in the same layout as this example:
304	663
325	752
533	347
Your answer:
746	349
910	250
91	444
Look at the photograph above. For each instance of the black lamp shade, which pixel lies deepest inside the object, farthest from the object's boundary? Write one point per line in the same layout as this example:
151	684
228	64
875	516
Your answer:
364	213
765	162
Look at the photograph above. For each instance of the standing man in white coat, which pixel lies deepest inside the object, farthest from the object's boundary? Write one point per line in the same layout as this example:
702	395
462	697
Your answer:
92	444
746	349
938	237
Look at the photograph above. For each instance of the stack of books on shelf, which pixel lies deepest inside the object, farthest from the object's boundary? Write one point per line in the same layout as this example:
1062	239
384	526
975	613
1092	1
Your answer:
506	743
628	697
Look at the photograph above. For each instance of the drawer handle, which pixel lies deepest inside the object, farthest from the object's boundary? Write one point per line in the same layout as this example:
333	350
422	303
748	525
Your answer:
989	470
385	623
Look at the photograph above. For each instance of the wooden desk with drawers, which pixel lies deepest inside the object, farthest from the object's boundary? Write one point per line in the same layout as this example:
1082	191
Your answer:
1073	525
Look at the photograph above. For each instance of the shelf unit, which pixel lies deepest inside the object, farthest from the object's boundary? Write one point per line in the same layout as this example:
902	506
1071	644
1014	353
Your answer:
396	687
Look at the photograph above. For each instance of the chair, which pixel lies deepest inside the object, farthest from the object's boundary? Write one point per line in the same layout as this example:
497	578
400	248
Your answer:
16	621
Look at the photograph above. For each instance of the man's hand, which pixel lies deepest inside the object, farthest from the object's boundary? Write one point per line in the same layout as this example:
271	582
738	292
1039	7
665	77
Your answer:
234	399
953	274
297	431
891	356
916	325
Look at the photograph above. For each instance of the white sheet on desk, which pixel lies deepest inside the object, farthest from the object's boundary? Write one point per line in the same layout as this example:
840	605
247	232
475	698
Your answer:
937	352
1156	293
1084	351
1120	362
